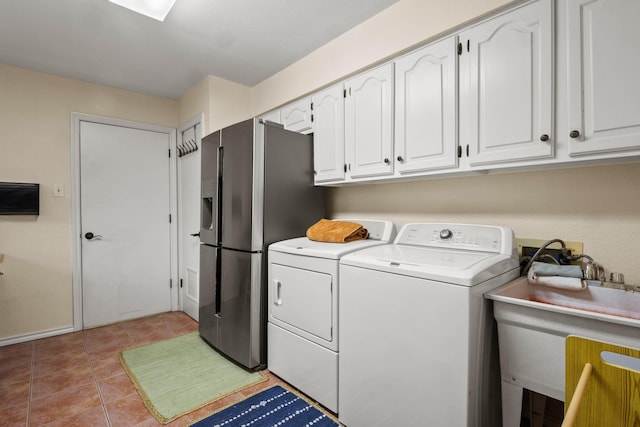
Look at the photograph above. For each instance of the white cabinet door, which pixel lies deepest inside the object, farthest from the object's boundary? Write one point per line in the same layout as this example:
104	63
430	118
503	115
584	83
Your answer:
297	116
506	79
369	123
272	116
328	134
604	75
426	106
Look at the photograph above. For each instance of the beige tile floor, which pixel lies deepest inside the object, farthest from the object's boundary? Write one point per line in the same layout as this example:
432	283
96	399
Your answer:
77	380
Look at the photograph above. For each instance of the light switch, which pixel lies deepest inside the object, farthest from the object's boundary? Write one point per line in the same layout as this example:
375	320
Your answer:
58	190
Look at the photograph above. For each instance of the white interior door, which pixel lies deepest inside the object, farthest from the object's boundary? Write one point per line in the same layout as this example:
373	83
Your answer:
189	217
125	223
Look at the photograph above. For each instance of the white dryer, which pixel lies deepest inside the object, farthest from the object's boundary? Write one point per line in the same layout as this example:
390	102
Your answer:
302	328
417	341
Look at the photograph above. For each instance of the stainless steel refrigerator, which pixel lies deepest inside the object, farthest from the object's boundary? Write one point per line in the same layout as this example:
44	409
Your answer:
257	189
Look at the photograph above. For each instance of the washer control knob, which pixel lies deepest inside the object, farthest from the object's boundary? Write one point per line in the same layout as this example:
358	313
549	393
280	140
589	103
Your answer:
446	234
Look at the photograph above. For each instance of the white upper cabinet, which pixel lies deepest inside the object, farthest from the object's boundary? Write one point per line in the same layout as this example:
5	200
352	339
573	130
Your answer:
426	107
272	116
603	76
296	117
506	78
369	123
484	99
328	134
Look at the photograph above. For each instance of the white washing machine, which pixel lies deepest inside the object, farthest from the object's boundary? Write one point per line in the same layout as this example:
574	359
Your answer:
418	345
302	328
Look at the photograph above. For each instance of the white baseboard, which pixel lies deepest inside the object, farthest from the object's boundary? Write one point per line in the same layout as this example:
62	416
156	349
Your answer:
35	336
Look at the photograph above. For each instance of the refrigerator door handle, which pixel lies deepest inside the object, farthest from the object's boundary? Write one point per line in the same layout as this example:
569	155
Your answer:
218	299
278	300
220	187
218	286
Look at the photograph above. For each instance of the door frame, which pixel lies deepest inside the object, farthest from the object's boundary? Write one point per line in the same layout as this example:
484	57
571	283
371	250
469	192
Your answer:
76	223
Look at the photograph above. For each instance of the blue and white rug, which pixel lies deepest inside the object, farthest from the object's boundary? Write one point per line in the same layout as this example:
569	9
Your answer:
272	407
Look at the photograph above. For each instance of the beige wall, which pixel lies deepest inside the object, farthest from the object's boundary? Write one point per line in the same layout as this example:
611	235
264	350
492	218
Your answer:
220	101
194	102
396	29
230	103
35	142
599	206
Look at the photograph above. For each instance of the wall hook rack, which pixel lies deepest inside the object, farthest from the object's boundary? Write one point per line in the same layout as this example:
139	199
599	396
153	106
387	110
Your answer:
187	147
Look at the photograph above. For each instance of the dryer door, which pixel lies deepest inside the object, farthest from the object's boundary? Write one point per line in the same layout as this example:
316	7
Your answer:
301	301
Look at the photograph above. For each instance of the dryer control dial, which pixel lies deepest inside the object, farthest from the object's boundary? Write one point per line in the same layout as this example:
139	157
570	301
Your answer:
446	234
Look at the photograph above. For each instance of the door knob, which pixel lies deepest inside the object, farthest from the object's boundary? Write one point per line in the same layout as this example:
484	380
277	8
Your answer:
400	159
574	134
90	236
544	137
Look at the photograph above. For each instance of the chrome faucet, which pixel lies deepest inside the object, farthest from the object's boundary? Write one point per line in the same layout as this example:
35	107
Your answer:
594	271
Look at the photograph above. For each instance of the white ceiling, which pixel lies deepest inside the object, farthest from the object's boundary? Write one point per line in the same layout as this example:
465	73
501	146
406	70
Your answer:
245	41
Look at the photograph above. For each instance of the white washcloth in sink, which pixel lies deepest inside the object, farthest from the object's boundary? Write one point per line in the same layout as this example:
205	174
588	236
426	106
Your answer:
561	282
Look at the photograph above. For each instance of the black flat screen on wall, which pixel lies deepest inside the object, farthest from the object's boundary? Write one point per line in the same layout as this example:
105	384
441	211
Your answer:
19	198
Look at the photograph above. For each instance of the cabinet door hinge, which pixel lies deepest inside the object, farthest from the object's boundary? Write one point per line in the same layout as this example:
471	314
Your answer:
467	150
459	48
345	168
170	283
169	152
459	151
169	218
468	45
180	283
312	106
312	118
344	93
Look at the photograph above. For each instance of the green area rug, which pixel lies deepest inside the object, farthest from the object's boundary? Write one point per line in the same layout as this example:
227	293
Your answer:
182	374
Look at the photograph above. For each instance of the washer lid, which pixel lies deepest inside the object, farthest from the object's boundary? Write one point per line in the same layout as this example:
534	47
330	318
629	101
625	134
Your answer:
461	267
305	247
380	232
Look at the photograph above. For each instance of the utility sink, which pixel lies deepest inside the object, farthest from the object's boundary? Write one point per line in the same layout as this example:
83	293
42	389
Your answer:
533	323
596	301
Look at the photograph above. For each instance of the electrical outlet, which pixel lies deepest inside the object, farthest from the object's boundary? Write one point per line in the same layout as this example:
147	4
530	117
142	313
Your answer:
527	246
